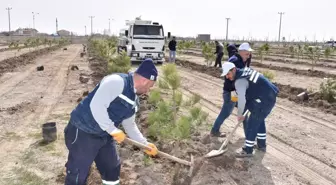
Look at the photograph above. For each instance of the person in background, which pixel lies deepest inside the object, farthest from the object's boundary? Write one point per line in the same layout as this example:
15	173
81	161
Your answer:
220	52
172	49
231	49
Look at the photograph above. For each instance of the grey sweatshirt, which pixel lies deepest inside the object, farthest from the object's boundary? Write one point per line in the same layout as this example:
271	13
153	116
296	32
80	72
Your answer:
241	87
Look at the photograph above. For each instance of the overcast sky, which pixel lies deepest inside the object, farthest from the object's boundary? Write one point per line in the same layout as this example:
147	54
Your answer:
257	19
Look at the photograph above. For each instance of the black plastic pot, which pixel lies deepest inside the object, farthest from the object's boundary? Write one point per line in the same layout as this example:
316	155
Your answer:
49	132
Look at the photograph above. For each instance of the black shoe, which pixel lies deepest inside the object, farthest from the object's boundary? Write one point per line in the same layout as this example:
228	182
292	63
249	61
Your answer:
257	147
242	154
217	134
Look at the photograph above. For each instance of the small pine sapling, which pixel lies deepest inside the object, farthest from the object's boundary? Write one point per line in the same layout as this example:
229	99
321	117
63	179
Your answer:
119	64
207	52
174	118
328	90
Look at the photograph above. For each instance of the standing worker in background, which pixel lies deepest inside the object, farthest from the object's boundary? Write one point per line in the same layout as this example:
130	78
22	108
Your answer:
231	49
172	49
93	127
239	60
220	52
256	94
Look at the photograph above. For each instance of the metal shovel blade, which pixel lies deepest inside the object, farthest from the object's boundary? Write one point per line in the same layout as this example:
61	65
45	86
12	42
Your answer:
214	153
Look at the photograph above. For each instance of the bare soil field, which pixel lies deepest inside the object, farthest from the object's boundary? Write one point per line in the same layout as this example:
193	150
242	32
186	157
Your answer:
303	68
301	145
29	99
10	64
15	53
273	56
282	77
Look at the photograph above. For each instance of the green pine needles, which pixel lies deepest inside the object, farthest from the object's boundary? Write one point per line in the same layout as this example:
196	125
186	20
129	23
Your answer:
175	117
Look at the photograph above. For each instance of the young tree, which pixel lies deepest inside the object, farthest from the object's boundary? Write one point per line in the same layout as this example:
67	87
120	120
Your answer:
327	52
169	121
314	55
260	53
328	90
292	51
119	64
208	54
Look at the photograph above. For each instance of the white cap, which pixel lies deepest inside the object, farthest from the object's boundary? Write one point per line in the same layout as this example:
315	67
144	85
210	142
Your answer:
227	66
245	47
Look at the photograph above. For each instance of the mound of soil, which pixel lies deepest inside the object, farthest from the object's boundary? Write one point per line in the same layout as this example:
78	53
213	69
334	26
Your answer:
286	91
9	64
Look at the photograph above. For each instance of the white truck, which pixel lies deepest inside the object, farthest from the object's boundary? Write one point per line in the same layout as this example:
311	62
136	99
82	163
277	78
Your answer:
143	39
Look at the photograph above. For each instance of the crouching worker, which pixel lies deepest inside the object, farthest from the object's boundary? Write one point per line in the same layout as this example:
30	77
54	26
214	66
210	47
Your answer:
93	127
256	94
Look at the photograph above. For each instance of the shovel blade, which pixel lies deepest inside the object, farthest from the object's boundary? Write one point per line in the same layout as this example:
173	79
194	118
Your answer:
214	153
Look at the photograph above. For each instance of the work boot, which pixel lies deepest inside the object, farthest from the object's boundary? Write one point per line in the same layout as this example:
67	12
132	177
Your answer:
217	134
257	147
242	153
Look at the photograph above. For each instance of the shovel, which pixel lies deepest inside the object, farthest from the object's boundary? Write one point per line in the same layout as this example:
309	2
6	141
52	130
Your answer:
221	150
191	164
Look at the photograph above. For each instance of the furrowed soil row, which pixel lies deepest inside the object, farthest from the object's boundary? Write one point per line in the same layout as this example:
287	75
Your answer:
323	62
14	79
306	131
286	91
216	83
307	166
42	107
9	64
304	69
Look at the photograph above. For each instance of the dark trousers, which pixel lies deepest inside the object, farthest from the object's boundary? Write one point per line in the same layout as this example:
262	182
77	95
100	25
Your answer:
219	59
85	148
255	126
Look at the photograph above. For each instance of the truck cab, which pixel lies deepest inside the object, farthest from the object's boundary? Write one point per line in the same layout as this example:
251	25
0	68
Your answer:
144	39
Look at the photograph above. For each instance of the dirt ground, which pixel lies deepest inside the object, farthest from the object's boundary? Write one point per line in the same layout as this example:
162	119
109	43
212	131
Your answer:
12	53
282	77
328	69
301	145
29	99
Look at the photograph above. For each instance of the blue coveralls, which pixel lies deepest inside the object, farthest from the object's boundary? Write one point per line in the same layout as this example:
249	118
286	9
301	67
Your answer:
260	99
228	105
87	142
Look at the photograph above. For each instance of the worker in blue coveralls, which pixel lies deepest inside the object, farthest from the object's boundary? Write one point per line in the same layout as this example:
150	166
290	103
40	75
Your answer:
256	94
93	127
230	98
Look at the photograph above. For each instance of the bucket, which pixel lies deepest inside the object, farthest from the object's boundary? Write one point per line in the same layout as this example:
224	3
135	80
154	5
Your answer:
49	132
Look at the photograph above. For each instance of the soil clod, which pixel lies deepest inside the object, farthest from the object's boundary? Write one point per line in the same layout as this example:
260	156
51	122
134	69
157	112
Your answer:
40	68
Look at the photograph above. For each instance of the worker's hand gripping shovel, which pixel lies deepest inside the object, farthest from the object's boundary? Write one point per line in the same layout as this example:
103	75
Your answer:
173	158
224	148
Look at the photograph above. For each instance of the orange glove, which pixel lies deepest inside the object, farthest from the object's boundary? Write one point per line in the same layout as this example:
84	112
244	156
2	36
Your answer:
234	96
118	136
153	151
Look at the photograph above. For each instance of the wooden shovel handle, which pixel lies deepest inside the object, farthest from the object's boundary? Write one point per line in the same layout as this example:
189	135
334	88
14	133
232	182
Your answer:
173	158
232	132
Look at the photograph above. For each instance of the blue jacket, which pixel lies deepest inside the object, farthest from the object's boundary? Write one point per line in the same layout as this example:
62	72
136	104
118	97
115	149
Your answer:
118	110
239	63
259	87
231	49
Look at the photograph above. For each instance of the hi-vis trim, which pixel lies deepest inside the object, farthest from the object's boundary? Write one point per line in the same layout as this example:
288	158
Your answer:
254	74
258	137
126	99
249	143
110	182
247	71
261	134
